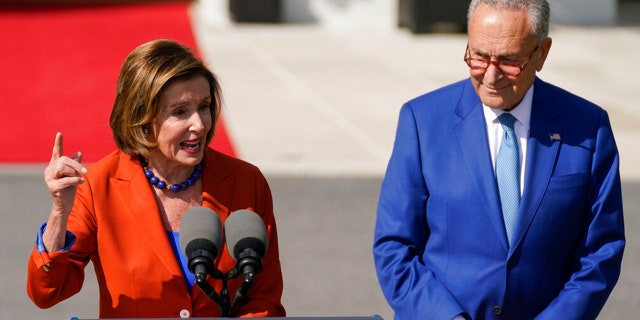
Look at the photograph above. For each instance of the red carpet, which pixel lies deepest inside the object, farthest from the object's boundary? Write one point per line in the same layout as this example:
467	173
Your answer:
59	72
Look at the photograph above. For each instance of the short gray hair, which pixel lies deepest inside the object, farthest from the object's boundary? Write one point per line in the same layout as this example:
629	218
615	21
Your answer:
539	12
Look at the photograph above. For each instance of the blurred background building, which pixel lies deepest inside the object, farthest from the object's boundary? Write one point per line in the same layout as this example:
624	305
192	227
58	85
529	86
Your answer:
416	14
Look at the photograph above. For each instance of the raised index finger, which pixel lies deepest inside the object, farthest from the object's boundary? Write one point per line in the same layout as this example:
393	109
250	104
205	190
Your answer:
57	147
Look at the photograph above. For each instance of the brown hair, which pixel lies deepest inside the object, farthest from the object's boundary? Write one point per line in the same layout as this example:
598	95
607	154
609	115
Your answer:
145	73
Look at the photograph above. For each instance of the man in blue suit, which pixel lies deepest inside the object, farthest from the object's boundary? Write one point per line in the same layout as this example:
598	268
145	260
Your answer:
485	216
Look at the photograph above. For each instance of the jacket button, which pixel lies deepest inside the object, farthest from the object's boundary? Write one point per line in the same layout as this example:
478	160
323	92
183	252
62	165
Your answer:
511	263
184	313
497	310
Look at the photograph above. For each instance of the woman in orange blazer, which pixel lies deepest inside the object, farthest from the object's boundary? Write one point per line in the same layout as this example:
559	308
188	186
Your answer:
120	213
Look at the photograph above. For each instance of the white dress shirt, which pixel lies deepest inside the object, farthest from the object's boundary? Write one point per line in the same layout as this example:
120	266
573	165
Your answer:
522	113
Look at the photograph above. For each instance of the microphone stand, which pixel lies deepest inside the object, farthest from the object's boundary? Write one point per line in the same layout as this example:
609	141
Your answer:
246	284
227	308
202	266
222	299
249	263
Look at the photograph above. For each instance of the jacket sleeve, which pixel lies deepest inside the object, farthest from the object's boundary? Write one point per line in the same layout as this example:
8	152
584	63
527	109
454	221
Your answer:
598	258
55	276
401	233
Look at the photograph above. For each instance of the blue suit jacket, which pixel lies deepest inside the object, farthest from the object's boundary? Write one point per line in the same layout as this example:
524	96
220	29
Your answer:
440	245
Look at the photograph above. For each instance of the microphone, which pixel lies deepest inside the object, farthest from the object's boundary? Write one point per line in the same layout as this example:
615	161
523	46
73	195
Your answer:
247	242
246	237
200	239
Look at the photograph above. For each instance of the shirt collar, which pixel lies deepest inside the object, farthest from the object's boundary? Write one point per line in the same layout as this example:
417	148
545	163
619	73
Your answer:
522	112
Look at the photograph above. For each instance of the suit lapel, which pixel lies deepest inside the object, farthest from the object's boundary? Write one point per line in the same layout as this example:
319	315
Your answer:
543	145
139	203
217	189
475	151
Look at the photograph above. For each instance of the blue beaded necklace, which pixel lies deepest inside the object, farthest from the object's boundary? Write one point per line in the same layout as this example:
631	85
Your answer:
197	172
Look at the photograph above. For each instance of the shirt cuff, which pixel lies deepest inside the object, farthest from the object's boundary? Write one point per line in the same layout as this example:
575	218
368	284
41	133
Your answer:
69	240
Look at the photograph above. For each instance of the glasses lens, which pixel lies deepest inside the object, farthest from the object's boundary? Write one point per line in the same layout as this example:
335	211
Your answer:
510	69
477	64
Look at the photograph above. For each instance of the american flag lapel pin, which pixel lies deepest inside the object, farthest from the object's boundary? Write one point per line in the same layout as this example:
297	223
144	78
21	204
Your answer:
554	136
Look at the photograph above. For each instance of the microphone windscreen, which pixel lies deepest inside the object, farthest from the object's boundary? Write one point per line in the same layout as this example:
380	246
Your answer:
245	229
200	229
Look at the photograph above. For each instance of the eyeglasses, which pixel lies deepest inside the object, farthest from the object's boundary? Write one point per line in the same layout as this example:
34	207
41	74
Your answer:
509	69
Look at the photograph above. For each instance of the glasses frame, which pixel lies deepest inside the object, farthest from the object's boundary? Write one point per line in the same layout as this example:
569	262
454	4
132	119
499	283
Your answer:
498	64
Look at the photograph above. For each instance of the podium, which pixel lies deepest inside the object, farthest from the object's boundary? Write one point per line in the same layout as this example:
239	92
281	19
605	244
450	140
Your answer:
373	317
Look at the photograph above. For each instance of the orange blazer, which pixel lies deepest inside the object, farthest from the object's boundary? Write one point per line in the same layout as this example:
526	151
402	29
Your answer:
118	227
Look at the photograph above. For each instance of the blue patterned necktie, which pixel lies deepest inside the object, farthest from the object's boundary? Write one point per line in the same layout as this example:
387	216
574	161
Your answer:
508	174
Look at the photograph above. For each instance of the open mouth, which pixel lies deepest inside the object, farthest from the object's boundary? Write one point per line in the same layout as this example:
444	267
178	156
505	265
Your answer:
193	145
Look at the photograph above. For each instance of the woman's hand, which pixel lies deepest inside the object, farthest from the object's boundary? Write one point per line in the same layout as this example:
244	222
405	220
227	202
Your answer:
62	176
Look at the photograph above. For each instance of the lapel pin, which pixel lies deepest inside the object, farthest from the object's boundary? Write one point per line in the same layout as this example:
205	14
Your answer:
554	136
